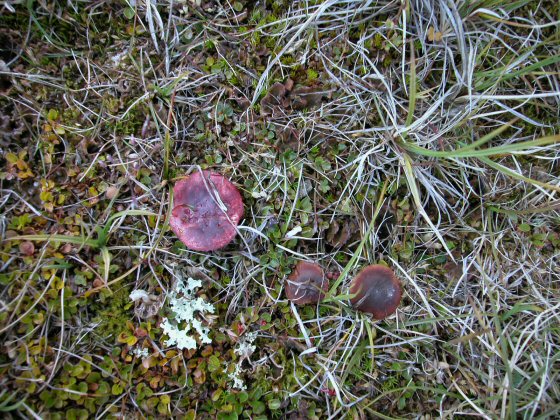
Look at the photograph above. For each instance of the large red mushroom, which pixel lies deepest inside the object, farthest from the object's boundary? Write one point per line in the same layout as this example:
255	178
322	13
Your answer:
207	209
377	290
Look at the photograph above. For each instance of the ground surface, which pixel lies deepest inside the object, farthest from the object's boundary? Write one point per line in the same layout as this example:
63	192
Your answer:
423	135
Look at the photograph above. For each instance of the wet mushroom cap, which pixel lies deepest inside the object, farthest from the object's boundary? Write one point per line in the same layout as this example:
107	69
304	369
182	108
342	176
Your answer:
378	291
207	209
306	284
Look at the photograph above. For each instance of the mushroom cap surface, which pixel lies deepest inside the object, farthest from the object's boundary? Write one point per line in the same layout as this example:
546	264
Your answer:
378	291
306	284
198	217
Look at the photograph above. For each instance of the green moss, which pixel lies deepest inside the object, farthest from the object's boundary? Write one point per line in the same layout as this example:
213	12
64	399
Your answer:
112	312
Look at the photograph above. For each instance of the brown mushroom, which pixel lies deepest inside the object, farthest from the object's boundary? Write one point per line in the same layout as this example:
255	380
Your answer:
207	209
306	284
377	290
27	248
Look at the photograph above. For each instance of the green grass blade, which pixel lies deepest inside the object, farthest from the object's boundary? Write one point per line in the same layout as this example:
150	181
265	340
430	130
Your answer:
506	74
513	174
412	88
413	187
76	240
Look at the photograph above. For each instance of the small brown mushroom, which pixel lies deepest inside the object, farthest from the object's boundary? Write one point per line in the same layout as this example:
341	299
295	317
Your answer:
306	284
377	290
27	248
207	209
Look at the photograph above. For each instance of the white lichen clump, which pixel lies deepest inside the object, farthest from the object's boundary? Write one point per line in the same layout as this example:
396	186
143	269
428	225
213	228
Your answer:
237	381
245	348
141	353
139	294
186	306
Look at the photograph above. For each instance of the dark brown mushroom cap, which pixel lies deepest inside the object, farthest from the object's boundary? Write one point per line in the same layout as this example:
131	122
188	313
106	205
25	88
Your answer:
197	217
306	284
378	291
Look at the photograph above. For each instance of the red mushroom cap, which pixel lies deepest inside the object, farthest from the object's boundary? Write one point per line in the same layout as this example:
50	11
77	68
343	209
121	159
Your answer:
378	291
197	217
306	284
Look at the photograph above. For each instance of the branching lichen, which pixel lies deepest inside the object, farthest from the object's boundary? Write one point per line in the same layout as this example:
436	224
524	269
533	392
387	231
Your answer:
237	381
245	347
184	305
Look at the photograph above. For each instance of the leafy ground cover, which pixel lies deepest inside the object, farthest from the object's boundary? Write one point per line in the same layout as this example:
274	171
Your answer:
423	135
